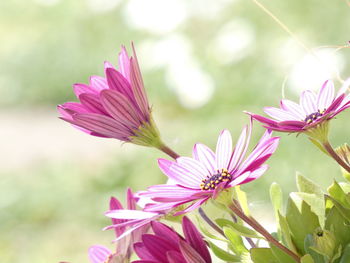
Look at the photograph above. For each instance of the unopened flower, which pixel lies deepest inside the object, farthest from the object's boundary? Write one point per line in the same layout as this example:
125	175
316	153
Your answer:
313	110
167	246
207	174
115	106
127	231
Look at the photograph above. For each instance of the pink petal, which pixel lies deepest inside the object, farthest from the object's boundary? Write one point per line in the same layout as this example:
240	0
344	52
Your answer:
293	108
280	115
206	156
256	174
92	102
190	254
99	254
143	253
124	63
308	102
223	150
102	125
197	168
137	84
130	214
118	82
108	65
130	199
240	148
178	173
121	108
195	239
192	207
98	83
326	95
80	88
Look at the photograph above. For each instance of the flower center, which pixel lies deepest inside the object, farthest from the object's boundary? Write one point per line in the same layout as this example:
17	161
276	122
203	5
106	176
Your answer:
314	116
211	182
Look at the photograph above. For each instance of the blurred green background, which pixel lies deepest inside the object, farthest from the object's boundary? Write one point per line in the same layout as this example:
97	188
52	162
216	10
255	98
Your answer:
203	63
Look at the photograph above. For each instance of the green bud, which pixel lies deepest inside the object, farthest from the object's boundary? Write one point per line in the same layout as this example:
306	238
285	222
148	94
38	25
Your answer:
324	242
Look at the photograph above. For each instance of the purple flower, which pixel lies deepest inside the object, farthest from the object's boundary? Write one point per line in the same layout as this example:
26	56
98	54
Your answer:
115	106
127	230
195	180
167	246
312	110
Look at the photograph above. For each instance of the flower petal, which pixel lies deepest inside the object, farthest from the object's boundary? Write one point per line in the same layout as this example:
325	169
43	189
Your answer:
124	63
93	103
120	108
129	214
98	254
179	173
102	125
325	96
308	102
293	108
118	82
223	150
206	156
190	254
195	239
197	168
280	115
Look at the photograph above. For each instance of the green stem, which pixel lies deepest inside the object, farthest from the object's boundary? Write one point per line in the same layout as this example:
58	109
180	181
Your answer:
260	229
165	149
328	147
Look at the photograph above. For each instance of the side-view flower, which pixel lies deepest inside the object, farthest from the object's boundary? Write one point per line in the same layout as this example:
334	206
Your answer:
116	106
207	174
312	110
127	230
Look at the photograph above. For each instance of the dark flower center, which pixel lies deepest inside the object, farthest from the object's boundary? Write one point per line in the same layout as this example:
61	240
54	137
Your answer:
211	182
314	116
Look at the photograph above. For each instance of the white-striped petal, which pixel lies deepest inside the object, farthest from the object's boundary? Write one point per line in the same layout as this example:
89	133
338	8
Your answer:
224	150
308	102
293	108
206	156
325	96
279	114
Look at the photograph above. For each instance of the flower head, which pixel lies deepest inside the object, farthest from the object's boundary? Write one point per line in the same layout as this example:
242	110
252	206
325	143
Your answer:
197	179
167	246
115	106
312	110
127	230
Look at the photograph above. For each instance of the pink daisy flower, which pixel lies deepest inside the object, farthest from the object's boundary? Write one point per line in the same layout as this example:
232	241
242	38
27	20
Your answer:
115	106
312	110
197	179
127	230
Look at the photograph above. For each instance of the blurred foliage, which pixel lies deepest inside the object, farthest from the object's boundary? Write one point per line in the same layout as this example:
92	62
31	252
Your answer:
53	210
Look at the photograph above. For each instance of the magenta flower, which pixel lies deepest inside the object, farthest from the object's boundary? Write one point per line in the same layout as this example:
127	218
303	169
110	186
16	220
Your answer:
167	246
127	231
312	110
197	179
115	106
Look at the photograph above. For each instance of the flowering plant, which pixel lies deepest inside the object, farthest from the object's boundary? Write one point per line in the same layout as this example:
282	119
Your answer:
314	228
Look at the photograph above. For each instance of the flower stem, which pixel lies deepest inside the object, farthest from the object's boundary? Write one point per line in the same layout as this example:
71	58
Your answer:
165	149
260	229
328	147
210	223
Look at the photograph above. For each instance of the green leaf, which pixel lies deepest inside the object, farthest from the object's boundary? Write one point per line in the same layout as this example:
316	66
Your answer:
337	224
237	228
338	194
235	240
307	259
307	186
222	254
281	255
317	204
345	212
301	221
285	232
262	255
241	196
346	255
276	197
